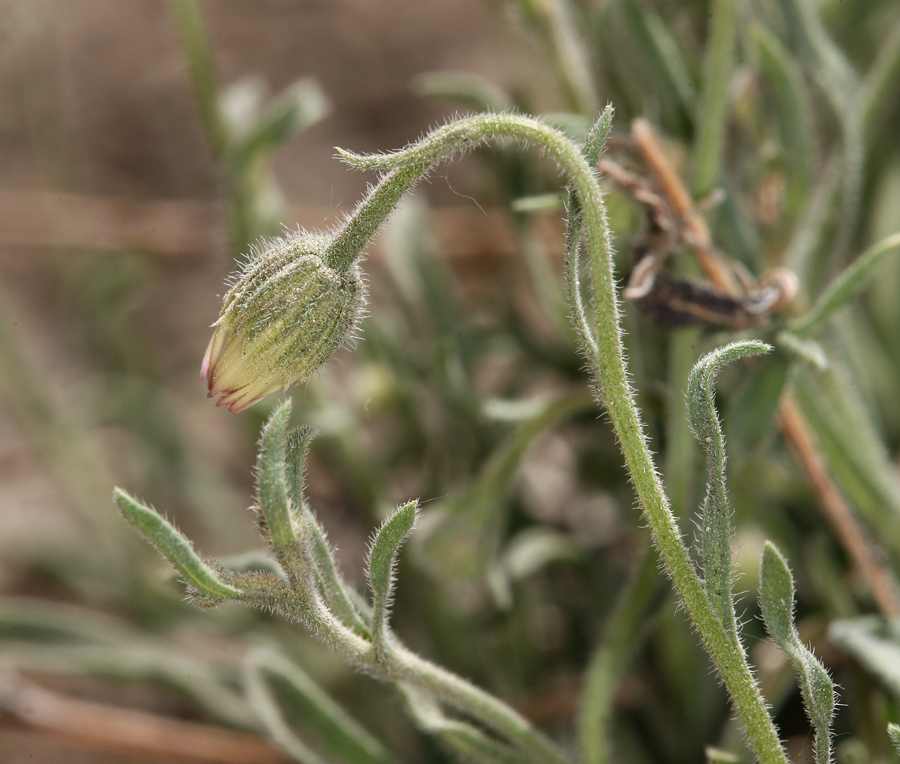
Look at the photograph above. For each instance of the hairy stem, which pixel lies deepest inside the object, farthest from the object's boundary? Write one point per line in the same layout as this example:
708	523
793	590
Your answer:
361	226
607	360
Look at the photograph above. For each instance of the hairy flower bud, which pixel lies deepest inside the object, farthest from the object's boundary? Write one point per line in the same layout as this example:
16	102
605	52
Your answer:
283	317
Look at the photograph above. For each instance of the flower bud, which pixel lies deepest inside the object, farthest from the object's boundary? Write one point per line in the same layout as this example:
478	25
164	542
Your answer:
283	317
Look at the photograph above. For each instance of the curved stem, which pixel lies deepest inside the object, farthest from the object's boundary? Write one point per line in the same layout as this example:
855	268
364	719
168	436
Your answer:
607	359
369	215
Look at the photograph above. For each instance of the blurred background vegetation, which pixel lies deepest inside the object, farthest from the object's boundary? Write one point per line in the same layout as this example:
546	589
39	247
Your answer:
146	145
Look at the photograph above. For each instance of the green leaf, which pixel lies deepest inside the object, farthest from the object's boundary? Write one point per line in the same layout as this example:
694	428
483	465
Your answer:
207	683
382	561
715	524
777	600
297	448
551	202
718	66
277	522
569	55
880	84
595	140
717	756
846	286
660	65
591	150
776	591
204	581
340	598
625	630
285	698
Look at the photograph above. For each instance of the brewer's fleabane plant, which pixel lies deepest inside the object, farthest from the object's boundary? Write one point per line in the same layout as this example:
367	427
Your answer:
296	301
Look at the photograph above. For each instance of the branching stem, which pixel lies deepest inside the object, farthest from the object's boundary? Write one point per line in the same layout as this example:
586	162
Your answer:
607	359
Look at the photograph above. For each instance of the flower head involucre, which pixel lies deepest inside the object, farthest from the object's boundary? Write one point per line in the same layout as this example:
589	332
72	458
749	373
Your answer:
284	316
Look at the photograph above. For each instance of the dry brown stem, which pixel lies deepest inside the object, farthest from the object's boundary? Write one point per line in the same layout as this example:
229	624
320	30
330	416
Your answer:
102	727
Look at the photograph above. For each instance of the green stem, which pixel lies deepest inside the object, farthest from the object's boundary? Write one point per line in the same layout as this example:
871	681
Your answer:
607	357
350	240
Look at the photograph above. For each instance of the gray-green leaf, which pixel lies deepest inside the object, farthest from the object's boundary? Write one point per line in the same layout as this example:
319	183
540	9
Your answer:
382	560
204	581
777	601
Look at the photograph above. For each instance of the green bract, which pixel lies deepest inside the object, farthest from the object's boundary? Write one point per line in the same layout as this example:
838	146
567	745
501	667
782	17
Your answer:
284	316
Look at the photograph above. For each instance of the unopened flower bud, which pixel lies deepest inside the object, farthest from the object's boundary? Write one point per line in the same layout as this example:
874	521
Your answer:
283	317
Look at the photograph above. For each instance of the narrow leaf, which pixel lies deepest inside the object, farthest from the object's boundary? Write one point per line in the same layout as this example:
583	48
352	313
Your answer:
552	202
382	561
339	596
777	602
853	447
659	64
591	150
880	83
277	524
595	140
776	591
625	630
285	698
715	525
846	286
137	659
717	756
297	448
713	113
204	581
